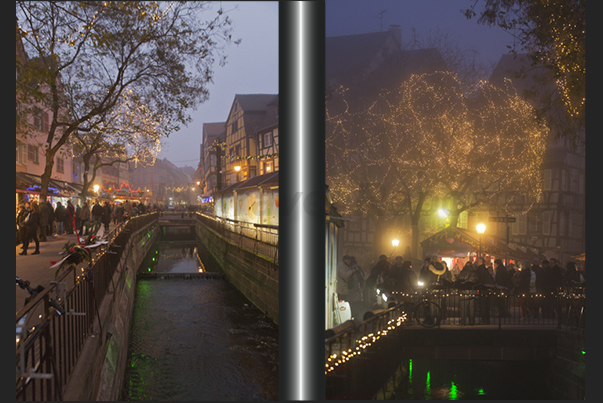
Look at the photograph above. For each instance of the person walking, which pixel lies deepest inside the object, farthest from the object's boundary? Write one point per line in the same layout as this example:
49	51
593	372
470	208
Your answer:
106	216
69	218
32	224
84	219
97	212
59	216
22	216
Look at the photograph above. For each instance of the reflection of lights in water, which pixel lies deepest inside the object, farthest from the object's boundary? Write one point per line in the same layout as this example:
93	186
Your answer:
428	386
453	392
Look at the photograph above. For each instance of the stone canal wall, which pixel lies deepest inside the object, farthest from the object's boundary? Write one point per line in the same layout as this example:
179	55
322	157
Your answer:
256	277
568	367
99	372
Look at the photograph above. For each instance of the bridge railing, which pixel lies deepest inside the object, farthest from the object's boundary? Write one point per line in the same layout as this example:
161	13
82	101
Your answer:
565	308
259	238
499	307
49	340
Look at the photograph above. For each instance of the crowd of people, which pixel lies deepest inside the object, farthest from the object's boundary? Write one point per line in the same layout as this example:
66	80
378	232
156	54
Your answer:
36	221
543	277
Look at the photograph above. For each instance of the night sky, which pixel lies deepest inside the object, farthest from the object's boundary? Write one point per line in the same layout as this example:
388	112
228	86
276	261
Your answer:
348	17
252	67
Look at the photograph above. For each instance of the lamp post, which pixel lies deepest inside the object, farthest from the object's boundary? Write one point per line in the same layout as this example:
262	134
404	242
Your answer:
481	228
395	244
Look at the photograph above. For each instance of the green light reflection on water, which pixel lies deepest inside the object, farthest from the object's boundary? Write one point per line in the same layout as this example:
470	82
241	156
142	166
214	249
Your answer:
453	392
428	386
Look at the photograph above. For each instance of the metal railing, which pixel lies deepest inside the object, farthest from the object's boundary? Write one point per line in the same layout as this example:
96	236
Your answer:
260	239
49	339
564	309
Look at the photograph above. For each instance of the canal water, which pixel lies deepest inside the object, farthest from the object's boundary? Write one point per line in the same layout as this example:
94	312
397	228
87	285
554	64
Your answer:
474	380
196	339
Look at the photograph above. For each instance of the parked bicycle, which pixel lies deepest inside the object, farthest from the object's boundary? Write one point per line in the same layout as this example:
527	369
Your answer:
424	310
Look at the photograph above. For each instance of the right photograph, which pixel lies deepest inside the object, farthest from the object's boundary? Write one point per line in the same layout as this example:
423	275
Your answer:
455	229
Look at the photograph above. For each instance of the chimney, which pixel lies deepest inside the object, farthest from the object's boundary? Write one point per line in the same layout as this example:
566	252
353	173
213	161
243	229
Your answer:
397	33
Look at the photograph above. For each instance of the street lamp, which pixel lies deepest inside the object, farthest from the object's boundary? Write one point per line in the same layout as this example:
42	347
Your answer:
481	228
395	244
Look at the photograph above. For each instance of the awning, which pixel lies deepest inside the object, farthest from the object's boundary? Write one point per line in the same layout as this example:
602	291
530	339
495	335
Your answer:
30	183
457	242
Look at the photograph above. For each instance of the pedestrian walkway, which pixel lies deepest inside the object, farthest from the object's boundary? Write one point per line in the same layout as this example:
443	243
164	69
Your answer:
36	268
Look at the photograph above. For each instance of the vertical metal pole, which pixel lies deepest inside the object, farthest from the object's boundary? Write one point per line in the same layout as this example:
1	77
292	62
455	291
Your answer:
302	212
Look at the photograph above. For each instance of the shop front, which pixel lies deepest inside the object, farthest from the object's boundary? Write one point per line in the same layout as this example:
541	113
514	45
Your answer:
29	187
458	245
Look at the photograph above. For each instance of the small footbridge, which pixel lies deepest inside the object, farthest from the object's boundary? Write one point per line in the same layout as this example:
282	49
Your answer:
360	358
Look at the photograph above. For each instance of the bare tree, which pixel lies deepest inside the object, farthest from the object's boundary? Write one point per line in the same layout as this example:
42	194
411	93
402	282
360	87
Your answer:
85	55
431	138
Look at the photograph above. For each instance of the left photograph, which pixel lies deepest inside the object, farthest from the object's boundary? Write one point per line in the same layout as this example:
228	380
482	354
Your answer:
147	201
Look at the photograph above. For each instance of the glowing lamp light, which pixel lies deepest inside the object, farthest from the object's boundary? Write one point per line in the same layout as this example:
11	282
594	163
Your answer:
237	168
481	228
442	213
395	242
96	187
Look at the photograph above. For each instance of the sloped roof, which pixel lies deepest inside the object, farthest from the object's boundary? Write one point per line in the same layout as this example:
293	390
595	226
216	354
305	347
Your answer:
368	63
270	118
254	102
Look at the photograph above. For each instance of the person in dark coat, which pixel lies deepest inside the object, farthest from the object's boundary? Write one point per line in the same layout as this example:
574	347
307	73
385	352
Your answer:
97	212
69	218
572	276
502	278
32	224
106	215
21	228
50	218
405	278
59	215
486	282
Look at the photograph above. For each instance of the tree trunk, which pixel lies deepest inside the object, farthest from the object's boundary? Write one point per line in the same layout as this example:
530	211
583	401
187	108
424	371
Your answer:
45	178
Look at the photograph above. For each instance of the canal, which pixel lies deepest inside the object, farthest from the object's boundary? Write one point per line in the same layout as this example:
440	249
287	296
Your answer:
196	338
472	380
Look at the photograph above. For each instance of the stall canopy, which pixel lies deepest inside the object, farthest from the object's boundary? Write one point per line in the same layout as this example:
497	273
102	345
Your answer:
30	183
458	242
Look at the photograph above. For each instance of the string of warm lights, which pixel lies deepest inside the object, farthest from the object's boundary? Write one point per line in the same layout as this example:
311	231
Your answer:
360	345
219	145
431	137
335	360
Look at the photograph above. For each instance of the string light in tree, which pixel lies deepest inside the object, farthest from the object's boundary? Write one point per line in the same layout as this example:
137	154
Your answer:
431	137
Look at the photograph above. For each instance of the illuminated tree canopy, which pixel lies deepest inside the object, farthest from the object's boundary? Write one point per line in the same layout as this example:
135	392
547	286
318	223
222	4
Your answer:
85	55
433	138
553	33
